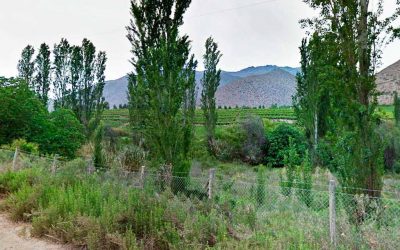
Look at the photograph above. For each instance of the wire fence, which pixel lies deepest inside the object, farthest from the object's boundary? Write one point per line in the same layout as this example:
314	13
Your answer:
344	219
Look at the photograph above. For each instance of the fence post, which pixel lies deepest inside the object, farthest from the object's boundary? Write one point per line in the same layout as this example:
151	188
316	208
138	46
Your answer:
54	165
211	175
332	212
90	168
14	166
142	169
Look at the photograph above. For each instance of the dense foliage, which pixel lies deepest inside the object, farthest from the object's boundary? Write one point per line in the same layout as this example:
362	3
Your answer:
23	115
279	142
64	134
76	74
162	87
348	37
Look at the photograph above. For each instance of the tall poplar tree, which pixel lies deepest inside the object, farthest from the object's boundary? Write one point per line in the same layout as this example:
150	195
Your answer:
162	86
210	81
43	73
61	64
312	99
26	65
87	83
357	35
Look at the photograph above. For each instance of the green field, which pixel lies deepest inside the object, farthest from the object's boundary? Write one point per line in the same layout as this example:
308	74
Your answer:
118	117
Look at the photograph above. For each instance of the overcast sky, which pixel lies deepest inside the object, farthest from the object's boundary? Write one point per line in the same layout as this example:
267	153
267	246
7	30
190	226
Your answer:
249	32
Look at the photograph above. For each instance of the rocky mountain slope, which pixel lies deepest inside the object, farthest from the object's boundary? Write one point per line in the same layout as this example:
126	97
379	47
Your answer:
276	87
388	81
115	91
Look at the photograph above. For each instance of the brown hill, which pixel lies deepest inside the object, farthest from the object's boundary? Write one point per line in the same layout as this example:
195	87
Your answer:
276	87
388	81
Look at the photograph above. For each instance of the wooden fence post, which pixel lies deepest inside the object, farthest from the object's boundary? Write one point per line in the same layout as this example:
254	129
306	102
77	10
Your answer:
54	165
332	212
14	166
90	168
142	169
211	175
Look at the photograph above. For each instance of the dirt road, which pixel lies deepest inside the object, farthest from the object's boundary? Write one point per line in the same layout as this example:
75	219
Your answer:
16	236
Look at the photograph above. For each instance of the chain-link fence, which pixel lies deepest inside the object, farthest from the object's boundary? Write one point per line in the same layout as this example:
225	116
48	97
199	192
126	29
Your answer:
335	214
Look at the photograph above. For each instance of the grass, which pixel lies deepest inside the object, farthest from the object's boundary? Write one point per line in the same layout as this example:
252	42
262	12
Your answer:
104	211
98	213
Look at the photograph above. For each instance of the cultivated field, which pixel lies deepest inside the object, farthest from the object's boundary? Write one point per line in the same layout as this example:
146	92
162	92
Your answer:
117	117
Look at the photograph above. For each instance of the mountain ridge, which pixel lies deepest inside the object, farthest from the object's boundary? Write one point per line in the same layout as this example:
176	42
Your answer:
115	91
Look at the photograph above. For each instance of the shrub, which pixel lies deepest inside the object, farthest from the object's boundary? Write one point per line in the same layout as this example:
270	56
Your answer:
98	156
278	143
23	145
243	141
229	142
64	134
390	133
132	158
396	167
254	142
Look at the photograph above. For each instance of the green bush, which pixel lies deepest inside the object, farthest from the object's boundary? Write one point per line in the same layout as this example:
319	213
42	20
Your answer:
132	158
22	114
23	145
390	133
64	134
243	141
278	144
229	142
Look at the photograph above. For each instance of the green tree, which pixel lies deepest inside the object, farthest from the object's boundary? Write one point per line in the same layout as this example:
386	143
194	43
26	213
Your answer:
43	73
22	115
61	64
64	134
355	34
210	82
162	89
87	83
312	100
396	103
26	65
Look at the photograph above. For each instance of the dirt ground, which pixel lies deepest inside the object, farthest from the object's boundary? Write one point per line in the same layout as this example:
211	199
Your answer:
16	236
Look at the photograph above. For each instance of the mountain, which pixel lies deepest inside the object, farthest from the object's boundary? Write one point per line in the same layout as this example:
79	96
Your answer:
388	81
115	91
276	87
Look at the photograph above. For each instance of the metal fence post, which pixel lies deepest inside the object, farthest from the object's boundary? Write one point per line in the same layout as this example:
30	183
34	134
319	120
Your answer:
142	169
211	175
14	166
54	165
332	212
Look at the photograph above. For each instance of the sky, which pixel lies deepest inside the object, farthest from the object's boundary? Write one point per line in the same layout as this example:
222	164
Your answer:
249	32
